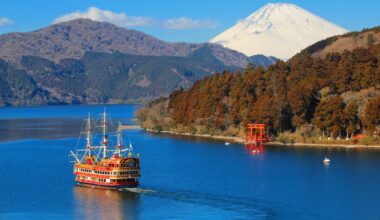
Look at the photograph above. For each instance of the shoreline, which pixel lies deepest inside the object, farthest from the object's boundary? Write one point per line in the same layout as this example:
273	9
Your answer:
241	141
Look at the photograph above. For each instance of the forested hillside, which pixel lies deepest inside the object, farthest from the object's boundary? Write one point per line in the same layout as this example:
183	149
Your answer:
102	77
338	94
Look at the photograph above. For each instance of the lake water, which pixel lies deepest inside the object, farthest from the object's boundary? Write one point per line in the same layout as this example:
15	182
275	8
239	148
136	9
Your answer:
182	178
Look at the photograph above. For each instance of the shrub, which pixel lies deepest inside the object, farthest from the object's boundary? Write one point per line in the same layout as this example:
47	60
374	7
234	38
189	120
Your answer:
370	140
286	138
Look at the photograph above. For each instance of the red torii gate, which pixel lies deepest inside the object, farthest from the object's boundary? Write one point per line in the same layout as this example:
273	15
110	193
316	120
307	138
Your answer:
255	139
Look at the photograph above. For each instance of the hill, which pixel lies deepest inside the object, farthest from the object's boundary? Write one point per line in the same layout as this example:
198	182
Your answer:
345	42
102	77
261	60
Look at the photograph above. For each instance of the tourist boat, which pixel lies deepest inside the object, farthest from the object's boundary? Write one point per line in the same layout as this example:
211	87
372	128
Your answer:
105	166
326	161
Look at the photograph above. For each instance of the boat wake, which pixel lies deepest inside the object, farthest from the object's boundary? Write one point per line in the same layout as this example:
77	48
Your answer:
227	206
139	190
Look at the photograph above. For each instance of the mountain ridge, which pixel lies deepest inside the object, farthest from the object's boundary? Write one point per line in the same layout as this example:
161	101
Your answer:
73	38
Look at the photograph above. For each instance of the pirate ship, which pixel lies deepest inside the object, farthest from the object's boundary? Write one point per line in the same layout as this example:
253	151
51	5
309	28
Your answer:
105	165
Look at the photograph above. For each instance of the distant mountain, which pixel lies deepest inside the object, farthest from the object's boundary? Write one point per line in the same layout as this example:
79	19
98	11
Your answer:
102	77
277	29
72	39
261	60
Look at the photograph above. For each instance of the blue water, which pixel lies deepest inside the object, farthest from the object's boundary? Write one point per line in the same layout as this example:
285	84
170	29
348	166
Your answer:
182	177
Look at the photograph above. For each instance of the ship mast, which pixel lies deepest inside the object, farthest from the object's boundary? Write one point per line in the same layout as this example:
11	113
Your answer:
88	133
119	144
105	138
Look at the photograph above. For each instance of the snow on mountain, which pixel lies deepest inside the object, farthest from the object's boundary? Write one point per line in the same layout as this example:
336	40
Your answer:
277	29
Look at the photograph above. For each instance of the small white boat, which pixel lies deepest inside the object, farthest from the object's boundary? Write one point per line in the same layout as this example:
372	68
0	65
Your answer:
227	143
326	160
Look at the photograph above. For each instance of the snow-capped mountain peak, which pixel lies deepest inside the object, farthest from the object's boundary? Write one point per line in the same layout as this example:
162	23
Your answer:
277	29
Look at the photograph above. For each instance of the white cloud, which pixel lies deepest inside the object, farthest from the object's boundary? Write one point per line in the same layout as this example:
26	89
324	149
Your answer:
188	23
5	21
124	20
96	14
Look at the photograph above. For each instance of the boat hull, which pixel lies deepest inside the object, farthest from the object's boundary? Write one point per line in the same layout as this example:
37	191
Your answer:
119	187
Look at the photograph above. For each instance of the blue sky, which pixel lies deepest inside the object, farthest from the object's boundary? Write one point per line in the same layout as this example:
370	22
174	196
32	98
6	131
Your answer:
178	20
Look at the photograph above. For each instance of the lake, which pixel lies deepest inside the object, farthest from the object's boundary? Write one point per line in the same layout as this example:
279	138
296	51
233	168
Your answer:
182	177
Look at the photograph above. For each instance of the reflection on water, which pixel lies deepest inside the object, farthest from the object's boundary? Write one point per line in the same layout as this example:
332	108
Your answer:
92	203
15	129
44	128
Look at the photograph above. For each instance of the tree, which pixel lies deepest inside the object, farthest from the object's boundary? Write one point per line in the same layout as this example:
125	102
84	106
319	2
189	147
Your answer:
372	114
351	118
329	115
370	40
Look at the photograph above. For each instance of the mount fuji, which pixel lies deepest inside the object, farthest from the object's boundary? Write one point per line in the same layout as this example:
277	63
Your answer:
277	29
